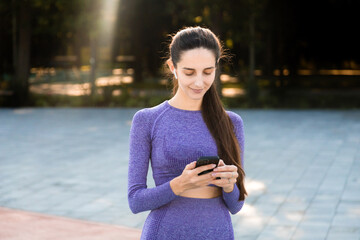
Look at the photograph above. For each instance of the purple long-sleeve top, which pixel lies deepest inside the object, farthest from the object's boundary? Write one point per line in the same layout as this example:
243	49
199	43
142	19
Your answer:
170	138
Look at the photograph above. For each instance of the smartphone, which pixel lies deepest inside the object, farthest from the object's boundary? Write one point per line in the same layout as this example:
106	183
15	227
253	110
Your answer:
205	160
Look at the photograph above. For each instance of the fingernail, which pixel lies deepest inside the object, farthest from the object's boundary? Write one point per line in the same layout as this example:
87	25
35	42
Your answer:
213	174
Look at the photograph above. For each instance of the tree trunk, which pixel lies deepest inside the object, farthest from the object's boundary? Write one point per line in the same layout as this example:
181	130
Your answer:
252	86
217	18
20	84
269	61
138	65
139	38
14	33
93	63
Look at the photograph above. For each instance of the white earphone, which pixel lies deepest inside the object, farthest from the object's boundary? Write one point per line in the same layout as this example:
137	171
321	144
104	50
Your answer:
175	74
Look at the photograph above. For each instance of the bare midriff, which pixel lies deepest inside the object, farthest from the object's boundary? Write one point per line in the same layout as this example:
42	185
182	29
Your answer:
203	192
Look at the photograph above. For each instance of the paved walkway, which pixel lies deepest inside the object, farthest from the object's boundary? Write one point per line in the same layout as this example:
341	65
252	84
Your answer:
303	169
21	225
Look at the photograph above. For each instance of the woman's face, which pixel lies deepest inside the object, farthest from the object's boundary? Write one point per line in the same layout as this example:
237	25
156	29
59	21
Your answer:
196	72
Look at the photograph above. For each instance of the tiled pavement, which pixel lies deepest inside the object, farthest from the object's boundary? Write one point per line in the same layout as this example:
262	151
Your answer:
303	169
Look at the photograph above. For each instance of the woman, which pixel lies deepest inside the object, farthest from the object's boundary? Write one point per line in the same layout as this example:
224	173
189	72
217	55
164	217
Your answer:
174	134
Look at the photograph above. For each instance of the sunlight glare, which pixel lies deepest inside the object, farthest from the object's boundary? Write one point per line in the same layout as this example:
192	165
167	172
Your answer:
254	186
232	92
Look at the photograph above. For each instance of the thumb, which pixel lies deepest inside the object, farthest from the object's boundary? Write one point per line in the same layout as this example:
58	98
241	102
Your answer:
221	163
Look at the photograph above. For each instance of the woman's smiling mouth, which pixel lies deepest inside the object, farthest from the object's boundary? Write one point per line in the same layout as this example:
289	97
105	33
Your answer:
196	90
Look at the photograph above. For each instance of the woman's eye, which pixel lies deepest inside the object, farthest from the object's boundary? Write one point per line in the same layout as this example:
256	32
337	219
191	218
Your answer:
190	74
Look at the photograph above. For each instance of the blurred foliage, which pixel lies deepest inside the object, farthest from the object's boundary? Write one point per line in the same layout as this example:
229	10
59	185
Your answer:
284	38
289	35
305	101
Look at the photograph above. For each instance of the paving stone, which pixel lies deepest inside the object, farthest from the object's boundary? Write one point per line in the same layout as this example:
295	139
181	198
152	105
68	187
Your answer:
349	207
310	232
346	233
250	225
288	218
346	220
276	232
351	194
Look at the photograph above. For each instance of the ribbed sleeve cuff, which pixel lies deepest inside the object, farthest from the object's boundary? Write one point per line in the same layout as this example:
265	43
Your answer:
149	199
168	190
232	196
232	200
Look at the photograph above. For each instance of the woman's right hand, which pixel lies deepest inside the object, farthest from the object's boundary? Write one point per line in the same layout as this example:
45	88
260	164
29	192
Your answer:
190	179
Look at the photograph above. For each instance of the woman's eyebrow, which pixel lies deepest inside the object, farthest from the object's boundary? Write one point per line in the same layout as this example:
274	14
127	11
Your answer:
186	68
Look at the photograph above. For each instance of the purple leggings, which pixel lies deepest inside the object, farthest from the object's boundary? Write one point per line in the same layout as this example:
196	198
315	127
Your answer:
189	218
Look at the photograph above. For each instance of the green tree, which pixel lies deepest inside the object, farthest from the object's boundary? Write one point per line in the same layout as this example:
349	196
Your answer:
22	16
40	26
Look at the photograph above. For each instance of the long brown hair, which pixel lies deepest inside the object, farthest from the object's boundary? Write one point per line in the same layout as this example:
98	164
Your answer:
212	110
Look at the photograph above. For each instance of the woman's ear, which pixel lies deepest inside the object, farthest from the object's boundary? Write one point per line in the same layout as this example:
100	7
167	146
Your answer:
171	65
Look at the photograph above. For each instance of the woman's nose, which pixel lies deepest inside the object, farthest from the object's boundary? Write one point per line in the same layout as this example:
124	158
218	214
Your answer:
199	82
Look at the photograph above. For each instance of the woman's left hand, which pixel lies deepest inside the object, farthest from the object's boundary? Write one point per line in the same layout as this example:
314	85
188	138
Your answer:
228	175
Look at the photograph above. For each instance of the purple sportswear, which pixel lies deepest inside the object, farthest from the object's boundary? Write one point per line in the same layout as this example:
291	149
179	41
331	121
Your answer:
170	138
